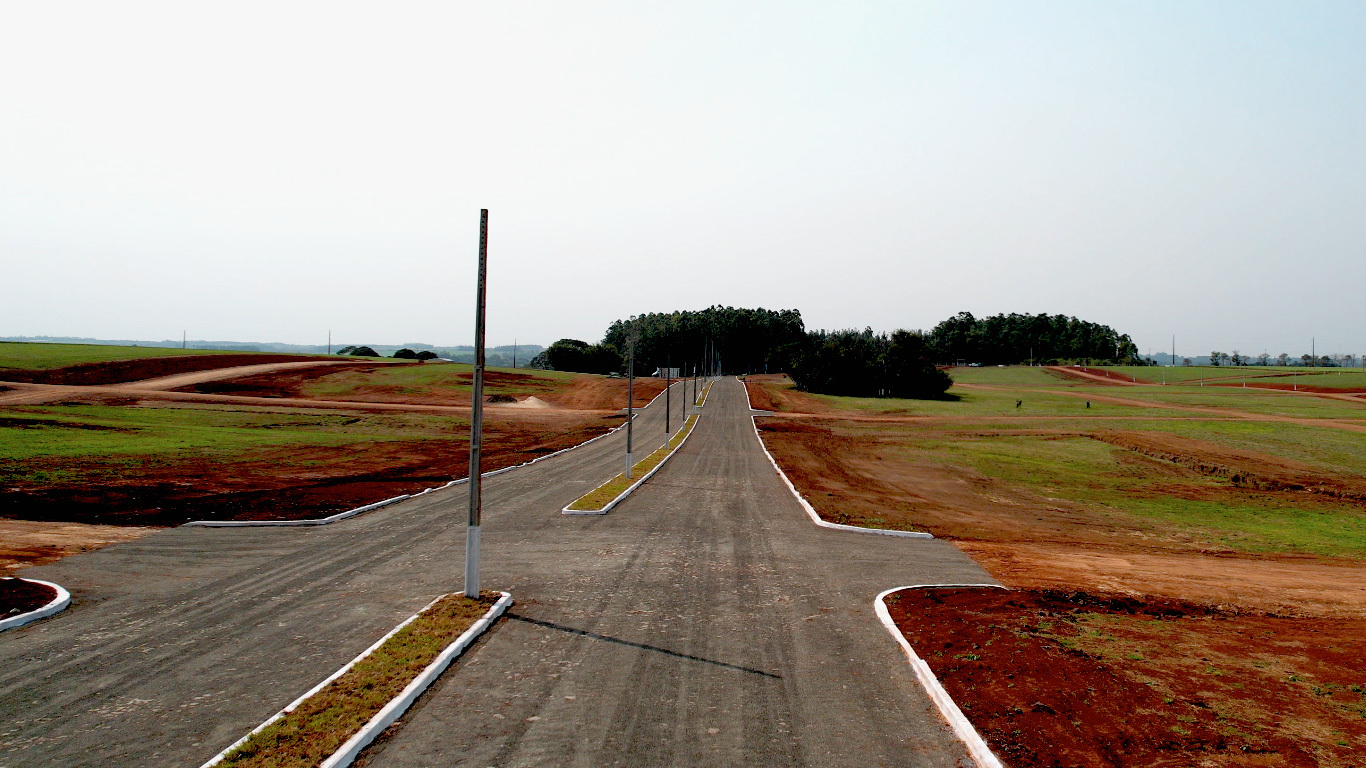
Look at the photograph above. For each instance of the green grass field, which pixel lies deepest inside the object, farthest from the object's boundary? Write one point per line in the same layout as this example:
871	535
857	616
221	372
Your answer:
430	378
42	436
1134	491
36	356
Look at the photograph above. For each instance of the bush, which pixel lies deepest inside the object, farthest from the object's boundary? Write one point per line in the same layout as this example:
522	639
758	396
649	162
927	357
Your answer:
426	354
578	356
405	354
865	364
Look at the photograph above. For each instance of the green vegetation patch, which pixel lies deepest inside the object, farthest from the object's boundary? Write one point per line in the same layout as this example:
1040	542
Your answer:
325	721
434	379
42	356
600	497
1116	482
116	435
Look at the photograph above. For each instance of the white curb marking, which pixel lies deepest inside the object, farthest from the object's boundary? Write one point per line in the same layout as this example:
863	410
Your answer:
811	511
56	605
977	747
397	706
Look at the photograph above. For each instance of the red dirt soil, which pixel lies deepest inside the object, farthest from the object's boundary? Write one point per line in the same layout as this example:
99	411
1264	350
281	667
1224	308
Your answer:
122	371
1053	678
582	392
292	484
21	596
1092	375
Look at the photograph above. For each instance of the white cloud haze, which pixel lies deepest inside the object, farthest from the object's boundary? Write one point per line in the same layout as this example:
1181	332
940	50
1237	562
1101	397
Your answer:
267	171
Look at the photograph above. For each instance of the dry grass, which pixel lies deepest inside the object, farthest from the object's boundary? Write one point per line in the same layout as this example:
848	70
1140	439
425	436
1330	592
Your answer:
601	496
320	725
702	398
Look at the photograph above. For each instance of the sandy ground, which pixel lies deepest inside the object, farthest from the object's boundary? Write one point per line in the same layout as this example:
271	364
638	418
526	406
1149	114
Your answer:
29	542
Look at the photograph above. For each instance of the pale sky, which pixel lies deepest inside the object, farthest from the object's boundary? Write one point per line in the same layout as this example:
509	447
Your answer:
267	171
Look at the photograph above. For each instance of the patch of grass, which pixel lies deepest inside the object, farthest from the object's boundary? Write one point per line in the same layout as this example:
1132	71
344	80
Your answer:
1011	376
702	397
322	723
433	378
1110	480
43	356
92	432
601	496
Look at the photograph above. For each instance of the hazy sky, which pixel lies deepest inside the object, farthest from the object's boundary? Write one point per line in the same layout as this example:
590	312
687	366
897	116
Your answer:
267	171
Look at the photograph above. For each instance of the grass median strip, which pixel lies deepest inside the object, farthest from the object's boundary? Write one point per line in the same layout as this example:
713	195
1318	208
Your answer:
598	498
702	398
321	724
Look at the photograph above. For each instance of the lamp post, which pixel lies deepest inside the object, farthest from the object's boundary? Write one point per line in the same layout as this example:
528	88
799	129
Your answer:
630	396
477	417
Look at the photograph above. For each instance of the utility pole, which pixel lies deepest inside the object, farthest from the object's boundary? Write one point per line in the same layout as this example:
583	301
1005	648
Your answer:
630	396
477	416
329	341
184	336
514	352
668	382
683	416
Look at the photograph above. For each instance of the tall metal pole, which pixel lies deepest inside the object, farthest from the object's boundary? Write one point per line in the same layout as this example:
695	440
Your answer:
668	382
477	416
683	416
630	398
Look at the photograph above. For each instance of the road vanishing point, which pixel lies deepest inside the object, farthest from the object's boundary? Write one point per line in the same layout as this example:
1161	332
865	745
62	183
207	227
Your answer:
705	621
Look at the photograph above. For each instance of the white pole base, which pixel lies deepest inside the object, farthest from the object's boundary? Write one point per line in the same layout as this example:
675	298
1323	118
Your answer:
472	562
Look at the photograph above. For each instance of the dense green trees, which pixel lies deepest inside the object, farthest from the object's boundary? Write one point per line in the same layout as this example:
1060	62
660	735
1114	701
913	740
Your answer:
743	340
578	356
867	364
1014	338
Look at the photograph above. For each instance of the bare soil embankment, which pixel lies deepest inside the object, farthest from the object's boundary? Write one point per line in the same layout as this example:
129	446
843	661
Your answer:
123	371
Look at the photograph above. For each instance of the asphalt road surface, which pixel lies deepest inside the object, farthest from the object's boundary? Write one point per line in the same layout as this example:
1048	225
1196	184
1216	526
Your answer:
705	621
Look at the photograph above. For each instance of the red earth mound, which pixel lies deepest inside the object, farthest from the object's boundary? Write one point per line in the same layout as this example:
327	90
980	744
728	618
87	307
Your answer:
121	371
293	484
1053	678
21	596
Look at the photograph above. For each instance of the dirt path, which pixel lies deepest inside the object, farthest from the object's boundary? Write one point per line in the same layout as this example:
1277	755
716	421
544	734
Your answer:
30	542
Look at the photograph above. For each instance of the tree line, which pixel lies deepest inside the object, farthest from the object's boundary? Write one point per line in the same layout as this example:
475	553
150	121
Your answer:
1023	338
903	363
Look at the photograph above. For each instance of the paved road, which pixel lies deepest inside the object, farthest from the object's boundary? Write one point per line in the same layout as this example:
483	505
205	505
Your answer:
704	621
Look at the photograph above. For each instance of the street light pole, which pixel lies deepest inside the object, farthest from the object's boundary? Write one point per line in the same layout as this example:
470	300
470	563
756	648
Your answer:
477	417
668	382
630	397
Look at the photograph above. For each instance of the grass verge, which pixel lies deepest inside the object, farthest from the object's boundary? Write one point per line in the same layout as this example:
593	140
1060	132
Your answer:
598	498
702	398
321	724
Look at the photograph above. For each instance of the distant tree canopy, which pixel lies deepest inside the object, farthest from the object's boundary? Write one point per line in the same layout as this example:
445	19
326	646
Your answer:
867	364
405	354
742	340
578	356
358	351
426	354
1012	339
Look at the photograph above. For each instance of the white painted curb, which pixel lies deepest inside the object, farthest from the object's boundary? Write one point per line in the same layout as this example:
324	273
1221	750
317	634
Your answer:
57	605
811	511
977	748
636	484
410	693
387	502
395	708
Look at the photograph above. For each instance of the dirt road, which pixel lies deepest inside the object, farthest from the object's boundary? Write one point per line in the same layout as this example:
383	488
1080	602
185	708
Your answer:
705	621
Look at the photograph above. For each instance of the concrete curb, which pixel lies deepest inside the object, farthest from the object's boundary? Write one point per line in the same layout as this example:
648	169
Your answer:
977	748
395	708
371	507
408	696
810	510
621	496
57	605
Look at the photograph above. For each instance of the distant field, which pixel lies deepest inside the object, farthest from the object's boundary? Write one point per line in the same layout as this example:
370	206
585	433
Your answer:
447	379
1010	376
1322	377
132	464
38	356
